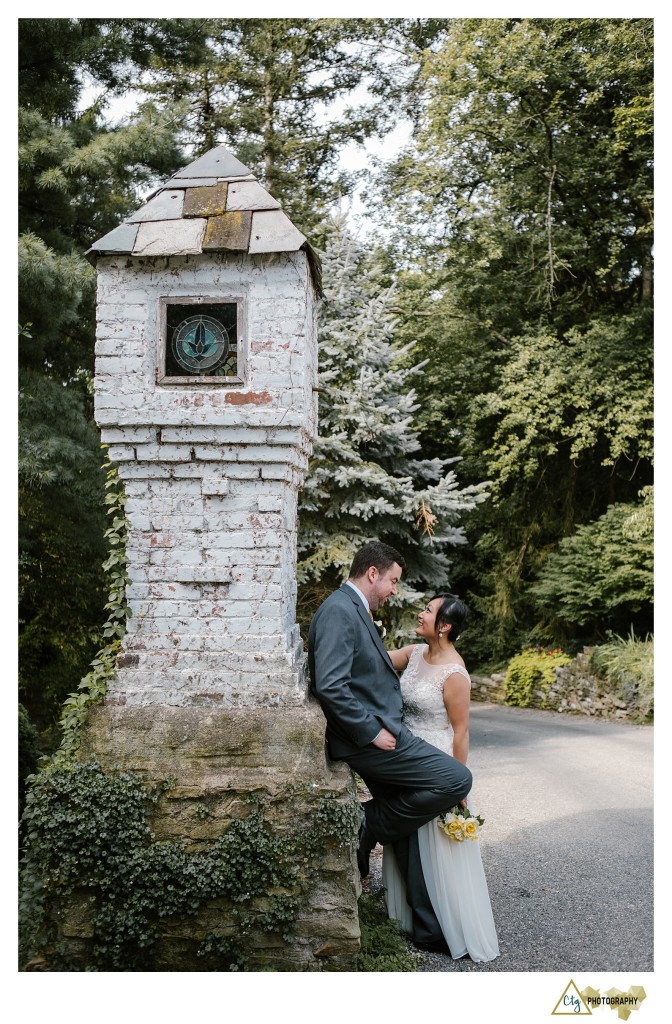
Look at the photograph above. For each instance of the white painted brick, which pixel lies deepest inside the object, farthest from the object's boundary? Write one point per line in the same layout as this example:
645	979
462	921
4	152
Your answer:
121	312
274	642
123	330
168	488
138	505
226	521
162	521
121	453
189	469
223	557
289	436
249	558
156	608
121	347
176	540
135	488
172	642
235	471
112	292
217	453
107	397
139	522
265	574
185	504
265	310
216	506
176	591
212	485
243	539
244	453
271	369
214	435
163	453
136	555
254	591
127	435
175	556
207	573
146	471
277	472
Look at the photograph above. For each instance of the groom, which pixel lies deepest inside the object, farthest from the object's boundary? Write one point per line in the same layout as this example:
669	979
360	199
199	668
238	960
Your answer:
358	689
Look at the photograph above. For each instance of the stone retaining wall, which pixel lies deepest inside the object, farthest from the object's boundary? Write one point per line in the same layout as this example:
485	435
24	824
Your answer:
576	690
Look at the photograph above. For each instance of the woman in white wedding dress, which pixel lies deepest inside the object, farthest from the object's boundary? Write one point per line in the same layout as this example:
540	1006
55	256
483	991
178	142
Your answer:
435	688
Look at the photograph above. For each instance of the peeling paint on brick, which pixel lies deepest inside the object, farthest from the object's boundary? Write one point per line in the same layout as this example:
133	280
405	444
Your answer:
248	398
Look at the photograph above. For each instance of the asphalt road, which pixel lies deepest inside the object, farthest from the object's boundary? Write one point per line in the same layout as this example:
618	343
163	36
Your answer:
567	844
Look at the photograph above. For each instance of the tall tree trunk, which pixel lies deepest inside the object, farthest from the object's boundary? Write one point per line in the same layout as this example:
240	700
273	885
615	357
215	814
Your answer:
647	277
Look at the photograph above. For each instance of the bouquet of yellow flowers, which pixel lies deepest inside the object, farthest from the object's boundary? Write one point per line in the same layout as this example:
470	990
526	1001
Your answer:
459	823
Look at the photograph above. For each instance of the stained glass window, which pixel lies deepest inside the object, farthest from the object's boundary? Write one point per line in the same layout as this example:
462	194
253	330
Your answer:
201	340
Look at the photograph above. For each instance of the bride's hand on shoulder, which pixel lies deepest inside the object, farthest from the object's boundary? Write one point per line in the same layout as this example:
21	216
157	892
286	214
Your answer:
399	658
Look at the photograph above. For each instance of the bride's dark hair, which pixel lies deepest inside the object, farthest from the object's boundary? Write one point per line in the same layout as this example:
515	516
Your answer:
452	612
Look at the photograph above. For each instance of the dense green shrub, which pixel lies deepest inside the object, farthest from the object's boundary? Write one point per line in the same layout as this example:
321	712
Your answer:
602	575
532	669
628	665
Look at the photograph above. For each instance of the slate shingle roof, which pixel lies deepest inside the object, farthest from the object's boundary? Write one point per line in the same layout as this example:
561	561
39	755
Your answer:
214	204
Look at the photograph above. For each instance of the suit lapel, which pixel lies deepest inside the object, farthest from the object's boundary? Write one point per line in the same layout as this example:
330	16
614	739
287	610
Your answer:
366	618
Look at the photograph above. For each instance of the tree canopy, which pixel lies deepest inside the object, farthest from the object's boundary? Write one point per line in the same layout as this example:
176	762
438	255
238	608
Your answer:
525	213
493	337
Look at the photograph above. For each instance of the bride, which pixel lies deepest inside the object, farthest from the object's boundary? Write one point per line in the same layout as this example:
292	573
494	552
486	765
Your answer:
435	688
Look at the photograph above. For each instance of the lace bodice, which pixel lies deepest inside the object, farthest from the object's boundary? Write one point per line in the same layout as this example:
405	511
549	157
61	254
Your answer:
422	693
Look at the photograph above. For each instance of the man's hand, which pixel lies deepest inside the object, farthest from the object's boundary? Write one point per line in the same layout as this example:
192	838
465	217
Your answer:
385	740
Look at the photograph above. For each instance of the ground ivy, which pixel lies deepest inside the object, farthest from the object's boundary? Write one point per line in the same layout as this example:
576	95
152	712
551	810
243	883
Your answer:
88	836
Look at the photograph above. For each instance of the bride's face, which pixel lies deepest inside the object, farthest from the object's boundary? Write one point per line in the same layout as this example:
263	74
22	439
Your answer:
427	619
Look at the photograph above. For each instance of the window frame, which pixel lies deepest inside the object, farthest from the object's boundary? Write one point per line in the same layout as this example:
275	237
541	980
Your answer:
162	378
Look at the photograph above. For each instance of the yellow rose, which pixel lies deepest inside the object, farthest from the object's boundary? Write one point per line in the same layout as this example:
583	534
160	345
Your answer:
455	830
471	828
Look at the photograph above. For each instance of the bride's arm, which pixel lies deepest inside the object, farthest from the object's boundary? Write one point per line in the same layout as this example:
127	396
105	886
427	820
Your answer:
456	697
399	658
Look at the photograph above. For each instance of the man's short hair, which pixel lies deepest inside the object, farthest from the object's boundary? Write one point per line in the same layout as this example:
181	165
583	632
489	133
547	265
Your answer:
375	553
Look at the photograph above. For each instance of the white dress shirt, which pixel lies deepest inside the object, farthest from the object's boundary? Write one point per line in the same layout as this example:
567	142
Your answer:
349	583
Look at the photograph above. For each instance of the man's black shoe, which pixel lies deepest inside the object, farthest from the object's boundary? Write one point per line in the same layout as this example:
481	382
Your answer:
365	843
437	946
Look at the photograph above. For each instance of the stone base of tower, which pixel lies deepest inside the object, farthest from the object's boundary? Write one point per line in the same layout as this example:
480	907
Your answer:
222	763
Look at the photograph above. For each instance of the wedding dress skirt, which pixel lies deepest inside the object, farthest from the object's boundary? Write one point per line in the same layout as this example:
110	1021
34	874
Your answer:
453	871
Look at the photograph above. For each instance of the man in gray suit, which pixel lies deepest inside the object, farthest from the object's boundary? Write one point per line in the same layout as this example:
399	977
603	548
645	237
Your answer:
358	688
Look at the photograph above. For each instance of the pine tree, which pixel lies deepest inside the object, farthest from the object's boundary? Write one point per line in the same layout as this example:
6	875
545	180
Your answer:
270	89
367	479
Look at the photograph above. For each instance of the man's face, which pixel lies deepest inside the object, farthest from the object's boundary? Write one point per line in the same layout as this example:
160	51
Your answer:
383	585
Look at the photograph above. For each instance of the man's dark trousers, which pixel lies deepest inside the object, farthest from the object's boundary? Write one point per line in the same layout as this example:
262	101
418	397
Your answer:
398	781
415	782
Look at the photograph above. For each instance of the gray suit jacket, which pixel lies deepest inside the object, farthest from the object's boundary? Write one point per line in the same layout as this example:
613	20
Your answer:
352	675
